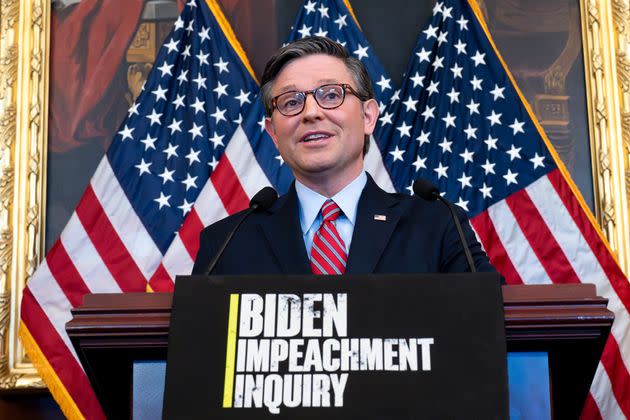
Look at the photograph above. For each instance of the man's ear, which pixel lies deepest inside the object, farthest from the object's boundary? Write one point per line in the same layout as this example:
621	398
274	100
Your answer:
271	130
370	115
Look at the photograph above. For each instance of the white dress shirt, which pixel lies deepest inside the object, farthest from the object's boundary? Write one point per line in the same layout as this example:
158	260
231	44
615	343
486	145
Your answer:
311	203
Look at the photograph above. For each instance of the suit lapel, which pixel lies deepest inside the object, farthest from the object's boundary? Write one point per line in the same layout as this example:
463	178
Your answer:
284	235
371	232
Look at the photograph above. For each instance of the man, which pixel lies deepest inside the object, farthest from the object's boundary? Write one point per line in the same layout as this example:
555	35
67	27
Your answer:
320	113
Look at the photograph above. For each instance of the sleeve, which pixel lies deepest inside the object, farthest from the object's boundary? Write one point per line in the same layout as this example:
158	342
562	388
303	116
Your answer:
204	254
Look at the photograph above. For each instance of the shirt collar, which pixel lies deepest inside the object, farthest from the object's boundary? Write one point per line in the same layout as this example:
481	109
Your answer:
347	199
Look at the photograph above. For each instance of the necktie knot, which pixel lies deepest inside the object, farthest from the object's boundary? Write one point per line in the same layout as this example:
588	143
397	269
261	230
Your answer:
330	211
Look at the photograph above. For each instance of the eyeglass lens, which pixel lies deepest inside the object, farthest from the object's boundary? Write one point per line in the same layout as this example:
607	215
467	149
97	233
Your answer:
326	96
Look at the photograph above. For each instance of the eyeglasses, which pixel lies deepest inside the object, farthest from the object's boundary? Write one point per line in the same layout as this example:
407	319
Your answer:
329	96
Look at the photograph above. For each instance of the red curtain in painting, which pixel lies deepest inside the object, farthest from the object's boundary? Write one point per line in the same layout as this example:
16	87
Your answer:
89	41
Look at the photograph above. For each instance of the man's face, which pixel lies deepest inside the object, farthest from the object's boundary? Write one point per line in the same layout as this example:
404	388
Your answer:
321	146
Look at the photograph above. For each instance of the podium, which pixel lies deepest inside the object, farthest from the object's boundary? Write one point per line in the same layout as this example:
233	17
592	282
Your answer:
568	322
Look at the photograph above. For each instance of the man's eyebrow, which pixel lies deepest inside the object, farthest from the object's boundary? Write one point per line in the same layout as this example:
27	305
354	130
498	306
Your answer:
325	81
320	82
286	88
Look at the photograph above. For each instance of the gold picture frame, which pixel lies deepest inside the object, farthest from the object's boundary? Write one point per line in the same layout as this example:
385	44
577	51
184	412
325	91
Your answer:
24	62
24	52
606	43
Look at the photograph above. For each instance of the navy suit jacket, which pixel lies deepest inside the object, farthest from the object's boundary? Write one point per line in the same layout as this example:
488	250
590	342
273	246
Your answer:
416	237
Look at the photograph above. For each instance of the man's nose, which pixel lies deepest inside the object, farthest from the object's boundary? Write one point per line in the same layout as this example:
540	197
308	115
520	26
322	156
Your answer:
311	108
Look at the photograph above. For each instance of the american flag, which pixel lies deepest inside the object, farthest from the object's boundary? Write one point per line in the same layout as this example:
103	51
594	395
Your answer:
460	121
251	160
134	192
191	151
171	141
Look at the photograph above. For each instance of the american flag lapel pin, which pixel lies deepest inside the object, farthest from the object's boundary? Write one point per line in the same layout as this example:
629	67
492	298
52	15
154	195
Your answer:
380	217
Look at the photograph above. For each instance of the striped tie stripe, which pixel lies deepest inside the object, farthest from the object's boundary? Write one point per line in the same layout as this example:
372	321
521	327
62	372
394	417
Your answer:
328	254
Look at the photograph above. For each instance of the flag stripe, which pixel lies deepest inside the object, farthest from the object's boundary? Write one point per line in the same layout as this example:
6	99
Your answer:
61	360
189	236
586	264
621	324
108	244
617	372
605	272
516	245
601	390
484	228
596	244
590	410
69	279
236	185
208	209
124	219
208	206
228	187
245	164
562	227
161	281
613	287
54	303
233	198
374	166
540	238
58	390
86	259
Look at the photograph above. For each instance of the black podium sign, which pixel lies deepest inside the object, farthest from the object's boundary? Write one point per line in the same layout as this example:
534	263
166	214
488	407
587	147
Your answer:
370	346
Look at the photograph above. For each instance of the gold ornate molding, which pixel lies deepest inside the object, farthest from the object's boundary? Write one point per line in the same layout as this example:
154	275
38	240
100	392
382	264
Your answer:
24	46
604	32
621	19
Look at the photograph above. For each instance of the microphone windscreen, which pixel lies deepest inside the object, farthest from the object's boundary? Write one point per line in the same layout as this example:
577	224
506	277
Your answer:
263	199
425	189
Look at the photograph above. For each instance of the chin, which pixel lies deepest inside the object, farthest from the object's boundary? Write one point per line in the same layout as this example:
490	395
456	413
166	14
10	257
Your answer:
316	167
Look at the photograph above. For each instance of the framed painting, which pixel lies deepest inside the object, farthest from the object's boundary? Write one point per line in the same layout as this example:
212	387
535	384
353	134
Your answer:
577	81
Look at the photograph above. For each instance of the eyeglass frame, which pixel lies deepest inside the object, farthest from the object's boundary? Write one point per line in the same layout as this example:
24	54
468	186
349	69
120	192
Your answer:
344	86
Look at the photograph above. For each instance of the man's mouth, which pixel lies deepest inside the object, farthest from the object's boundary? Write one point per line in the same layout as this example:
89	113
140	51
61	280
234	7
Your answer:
313	137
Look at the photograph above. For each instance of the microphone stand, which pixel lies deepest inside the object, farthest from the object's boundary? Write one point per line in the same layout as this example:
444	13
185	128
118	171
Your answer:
260	202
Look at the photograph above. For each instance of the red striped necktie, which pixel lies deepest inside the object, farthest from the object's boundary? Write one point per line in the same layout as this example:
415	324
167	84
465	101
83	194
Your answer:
328	254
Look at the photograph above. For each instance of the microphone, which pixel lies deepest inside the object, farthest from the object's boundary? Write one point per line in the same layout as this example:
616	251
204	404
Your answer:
260	202
429	192
263	199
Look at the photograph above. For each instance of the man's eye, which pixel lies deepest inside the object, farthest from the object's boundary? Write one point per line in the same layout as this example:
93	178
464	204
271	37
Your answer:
290	103
331	95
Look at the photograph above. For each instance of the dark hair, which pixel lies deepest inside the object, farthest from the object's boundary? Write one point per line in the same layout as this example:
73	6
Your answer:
309	46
